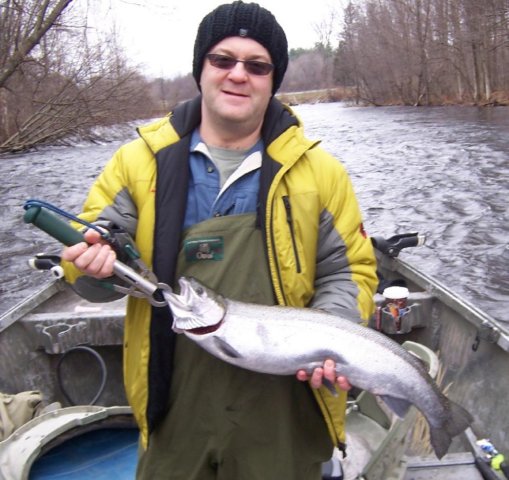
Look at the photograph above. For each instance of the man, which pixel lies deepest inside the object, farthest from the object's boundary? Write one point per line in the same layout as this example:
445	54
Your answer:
227	189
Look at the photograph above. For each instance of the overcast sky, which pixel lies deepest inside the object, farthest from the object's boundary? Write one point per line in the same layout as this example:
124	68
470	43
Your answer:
161	35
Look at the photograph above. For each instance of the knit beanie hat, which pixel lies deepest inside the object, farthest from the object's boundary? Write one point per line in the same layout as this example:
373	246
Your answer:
245	20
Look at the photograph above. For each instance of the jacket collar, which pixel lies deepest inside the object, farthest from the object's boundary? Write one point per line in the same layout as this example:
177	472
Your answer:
280	126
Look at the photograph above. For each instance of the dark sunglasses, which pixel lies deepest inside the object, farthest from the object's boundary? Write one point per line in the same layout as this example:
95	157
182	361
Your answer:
254	67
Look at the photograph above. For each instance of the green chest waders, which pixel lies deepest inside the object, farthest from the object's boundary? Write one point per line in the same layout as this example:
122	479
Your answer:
227	423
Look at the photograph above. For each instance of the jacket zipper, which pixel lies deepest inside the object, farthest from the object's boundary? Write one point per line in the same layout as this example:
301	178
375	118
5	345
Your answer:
289	219
279	291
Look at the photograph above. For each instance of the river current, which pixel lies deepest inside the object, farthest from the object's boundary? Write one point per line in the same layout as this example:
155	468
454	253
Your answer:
441	171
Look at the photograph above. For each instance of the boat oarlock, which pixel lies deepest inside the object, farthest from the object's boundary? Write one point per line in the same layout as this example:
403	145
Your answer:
392	246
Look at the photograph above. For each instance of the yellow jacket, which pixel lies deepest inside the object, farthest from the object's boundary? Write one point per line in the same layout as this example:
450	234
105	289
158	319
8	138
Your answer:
320	258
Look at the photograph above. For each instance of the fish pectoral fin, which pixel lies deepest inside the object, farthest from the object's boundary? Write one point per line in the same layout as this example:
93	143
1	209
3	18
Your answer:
399	406
226	349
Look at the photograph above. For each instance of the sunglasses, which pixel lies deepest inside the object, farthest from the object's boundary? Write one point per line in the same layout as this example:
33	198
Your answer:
254	67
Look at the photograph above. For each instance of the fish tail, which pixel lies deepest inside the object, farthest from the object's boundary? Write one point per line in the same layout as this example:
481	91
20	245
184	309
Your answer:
457	421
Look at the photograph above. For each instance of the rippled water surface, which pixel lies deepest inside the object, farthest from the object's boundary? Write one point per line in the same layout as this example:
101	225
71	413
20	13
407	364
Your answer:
439	171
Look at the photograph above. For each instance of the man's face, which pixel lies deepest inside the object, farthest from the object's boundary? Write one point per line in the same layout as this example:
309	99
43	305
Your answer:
236	95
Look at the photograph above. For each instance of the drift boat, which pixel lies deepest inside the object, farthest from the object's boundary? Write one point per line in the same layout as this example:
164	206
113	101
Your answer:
69	352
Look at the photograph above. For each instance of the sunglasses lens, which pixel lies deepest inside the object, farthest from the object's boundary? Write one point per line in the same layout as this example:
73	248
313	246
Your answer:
224	62
258	68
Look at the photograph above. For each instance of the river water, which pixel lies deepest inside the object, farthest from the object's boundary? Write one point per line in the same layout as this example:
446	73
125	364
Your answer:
441	171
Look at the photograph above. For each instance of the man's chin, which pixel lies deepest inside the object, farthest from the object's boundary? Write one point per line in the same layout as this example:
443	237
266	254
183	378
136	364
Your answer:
236	114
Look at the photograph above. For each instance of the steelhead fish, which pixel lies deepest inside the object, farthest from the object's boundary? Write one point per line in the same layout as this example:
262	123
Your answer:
282	340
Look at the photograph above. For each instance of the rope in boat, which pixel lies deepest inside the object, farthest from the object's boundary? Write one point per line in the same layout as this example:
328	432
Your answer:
102	365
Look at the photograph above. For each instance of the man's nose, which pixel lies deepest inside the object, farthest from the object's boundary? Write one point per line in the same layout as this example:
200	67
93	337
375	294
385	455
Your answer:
238	72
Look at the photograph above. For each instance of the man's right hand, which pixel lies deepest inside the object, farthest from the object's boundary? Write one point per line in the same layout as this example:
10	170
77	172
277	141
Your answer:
94	256
328	371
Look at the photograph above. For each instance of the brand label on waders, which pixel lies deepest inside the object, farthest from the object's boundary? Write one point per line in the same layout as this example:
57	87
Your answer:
210	248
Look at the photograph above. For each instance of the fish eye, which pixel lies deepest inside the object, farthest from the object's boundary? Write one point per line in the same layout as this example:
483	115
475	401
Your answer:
200	291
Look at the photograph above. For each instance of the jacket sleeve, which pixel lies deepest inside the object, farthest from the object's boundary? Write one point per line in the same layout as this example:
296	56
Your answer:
109	201
345	278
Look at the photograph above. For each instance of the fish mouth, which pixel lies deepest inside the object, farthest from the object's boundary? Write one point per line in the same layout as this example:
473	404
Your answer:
177	303
182	302
186	292
181	307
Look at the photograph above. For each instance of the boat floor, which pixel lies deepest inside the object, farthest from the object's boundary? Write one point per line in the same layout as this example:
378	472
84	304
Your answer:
452	466
111	453
363	438
103	454
108	445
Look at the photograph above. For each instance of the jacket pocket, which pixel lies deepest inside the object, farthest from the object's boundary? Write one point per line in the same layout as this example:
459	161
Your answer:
289	220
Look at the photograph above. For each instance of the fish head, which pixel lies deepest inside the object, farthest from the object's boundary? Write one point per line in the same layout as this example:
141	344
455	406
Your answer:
197	308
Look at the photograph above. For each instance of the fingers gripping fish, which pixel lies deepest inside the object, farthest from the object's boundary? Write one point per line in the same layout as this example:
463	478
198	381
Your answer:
282	340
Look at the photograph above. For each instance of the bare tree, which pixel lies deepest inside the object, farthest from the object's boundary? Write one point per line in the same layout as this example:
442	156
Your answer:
72	93
71	82
308	72
426	51
23	24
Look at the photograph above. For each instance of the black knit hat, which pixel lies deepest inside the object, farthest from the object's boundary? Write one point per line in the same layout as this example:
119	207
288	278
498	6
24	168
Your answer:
246	20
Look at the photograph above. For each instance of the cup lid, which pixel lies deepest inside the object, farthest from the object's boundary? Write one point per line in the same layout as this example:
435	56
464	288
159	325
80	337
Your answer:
396	293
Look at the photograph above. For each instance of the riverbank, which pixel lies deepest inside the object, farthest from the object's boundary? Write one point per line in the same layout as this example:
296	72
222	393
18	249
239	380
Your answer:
345	94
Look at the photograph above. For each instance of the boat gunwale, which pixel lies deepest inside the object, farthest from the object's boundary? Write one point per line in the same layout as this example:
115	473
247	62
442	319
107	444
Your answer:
26	306
488	327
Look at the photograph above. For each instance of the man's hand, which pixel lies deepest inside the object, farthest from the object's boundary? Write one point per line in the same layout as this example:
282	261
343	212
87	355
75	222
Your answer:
93	257
328	371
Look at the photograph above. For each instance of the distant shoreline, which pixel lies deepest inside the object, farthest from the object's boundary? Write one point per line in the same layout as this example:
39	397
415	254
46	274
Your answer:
344	94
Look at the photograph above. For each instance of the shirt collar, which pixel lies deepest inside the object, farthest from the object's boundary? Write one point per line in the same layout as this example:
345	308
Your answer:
252	162
198	145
